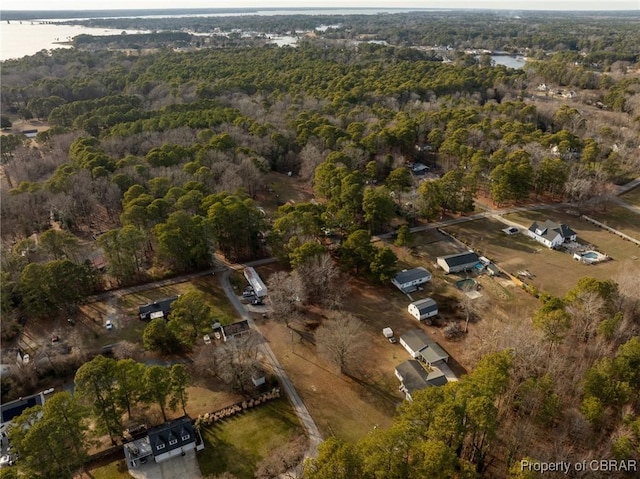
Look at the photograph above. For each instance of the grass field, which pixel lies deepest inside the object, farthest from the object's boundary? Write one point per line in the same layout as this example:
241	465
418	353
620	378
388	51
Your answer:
632	197
114	470
554	272
619	218
238	444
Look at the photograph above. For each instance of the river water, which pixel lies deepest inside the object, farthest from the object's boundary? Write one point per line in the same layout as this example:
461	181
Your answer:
18	39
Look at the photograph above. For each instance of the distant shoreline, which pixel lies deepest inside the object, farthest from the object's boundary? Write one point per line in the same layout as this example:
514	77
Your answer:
15	15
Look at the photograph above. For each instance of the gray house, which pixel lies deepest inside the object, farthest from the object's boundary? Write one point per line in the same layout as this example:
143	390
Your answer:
173	438
420	346
413	377
455	263
408	280
233	330
423	309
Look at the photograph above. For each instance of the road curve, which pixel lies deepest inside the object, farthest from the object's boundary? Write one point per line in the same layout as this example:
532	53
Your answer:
315	438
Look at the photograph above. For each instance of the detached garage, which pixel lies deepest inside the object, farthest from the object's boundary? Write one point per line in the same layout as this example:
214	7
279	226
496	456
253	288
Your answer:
423	309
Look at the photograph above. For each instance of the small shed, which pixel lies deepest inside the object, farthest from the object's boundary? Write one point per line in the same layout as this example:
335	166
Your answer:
493	270
236	329
423	309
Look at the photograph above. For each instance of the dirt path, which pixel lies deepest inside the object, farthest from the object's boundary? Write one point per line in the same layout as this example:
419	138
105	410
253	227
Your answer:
315	437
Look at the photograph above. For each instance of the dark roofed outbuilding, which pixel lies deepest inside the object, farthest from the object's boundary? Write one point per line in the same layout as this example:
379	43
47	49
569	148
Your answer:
157	309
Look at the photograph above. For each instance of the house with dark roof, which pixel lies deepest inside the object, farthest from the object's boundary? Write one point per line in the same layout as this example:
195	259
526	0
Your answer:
420	346
408	280
423	309
236	329
171	439
455	263
157	309
551	234
11	410
413	377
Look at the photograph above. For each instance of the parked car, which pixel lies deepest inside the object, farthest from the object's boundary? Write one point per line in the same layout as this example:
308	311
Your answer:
217	334
108	325
511	230
256	301
207	339
248	294
55	338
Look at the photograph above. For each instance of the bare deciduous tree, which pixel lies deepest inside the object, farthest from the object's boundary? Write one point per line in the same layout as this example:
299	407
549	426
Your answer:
237	360
340	340
127	350
320	280
285	293
282	462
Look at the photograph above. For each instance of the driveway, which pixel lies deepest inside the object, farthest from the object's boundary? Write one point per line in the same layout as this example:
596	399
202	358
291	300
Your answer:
178	467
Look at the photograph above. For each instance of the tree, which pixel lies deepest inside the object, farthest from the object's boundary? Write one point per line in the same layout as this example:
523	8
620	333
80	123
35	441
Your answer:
60	244
190	314
305	252
55	444
357	252
383	265
399	179
96	385
124	251
158	388
129	388
285	292
336	460
339	339
5	122
378	207
54	286
157	336
182	241
320	281
179	381
404	236
238	360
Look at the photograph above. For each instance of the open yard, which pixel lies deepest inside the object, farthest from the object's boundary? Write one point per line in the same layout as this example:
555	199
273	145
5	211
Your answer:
632	197
239	443
619	218
554	272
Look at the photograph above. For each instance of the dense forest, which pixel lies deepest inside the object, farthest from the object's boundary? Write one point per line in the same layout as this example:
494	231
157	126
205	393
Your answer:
156	161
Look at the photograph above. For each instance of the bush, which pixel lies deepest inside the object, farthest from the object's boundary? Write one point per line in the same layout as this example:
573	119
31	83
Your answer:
453	331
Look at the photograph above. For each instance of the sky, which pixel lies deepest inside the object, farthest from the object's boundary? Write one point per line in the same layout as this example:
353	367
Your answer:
490	4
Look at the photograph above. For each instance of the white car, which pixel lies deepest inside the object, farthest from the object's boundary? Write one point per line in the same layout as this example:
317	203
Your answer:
108	324
5	461
207	339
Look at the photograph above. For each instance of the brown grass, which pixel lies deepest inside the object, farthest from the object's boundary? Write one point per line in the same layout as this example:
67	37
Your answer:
632	196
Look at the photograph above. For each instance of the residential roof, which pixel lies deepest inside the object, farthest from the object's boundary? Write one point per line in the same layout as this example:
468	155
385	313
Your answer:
414	376
410	275
171	435
425	305
232	329
416	339
151	310
458	259
550	229
13	409
420	342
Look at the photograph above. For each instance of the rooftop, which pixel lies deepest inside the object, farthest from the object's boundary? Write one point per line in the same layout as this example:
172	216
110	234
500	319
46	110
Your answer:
458	259
409	275
425	305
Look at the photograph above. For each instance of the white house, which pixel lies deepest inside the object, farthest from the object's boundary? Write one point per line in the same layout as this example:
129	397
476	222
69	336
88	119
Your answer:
413	377
551	234
171	439
423	309
422	347
408	280
455	263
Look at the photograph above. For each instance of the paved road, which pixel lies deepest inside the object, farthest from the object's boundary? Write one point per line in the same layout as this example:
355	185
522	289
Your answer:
315	438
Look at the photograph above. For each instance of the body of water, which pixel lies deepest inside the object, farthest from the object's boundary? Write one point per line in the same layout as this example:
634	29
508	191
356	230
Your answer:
508	61
19	39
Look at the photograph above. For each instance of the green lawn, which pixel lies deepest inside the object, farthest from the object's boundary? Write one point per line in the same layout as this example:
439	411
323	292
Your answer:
238	444
113	470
